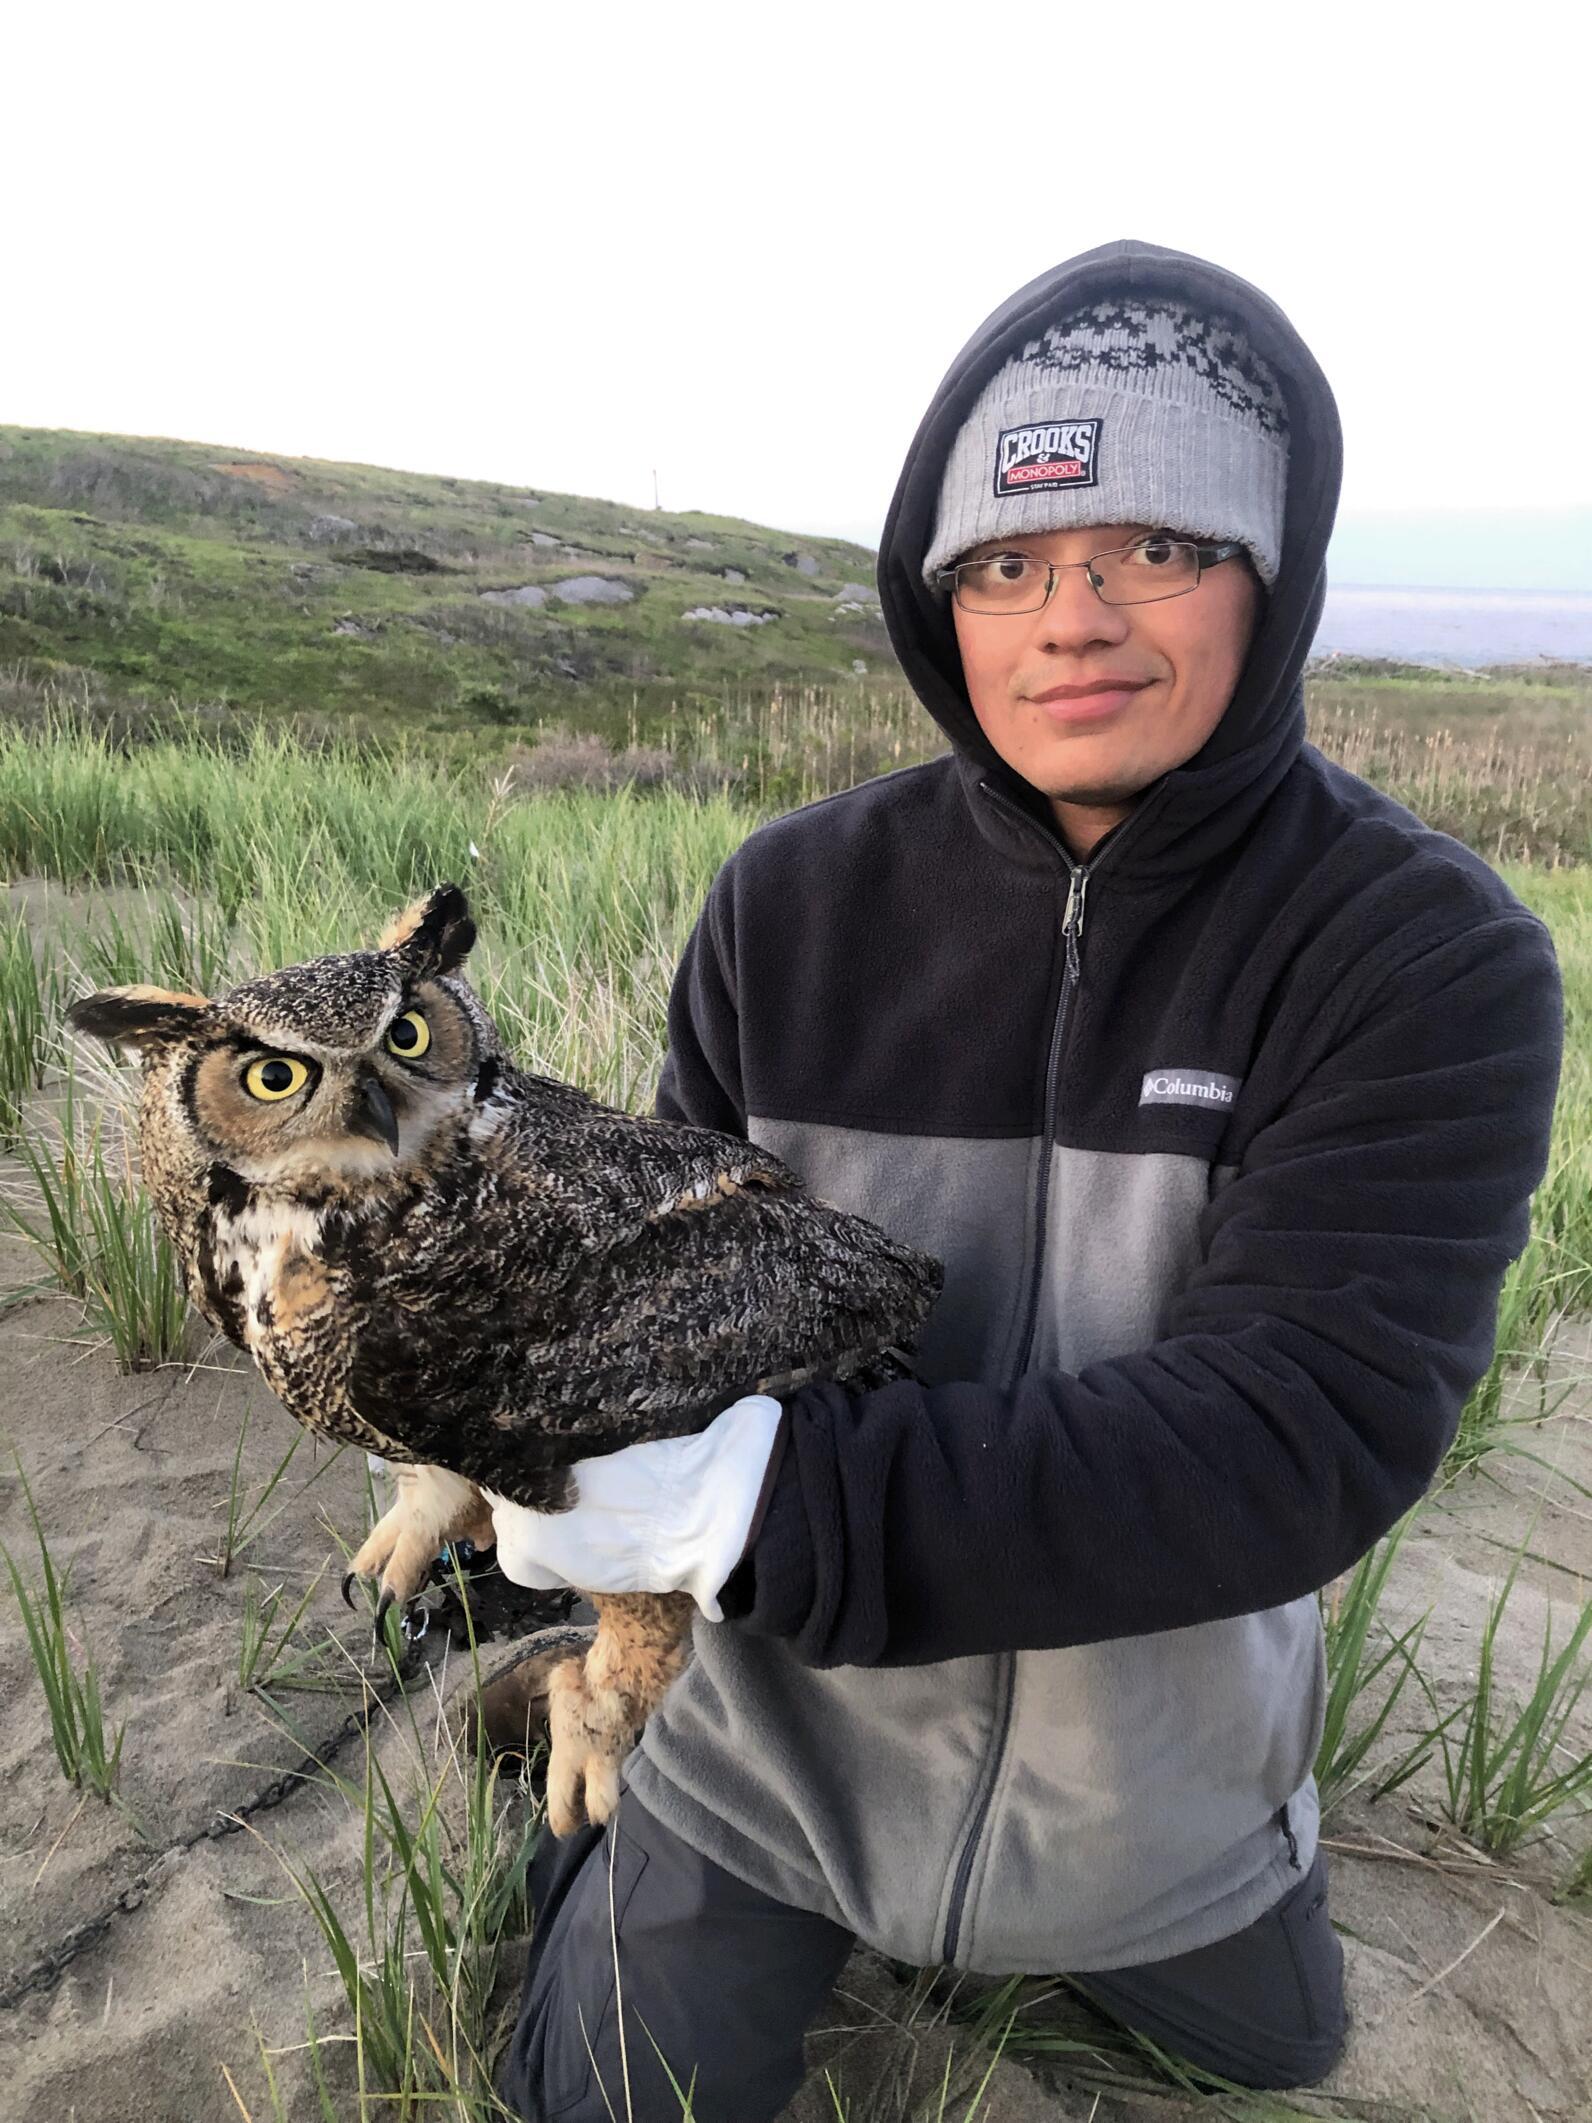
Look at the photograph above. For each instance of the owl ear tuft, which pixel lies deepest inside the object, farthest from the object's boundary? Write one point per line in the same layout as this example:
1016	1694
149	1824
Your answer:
434	933
137	1017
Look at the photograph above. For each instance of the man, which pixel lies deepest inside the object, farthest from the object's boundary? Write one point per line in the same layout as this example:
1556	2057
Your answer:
1220	1085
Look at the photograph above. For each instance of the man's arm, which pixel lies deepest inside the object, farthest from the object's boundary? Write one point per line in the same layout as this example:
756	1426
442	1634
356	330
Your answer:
701	1078
1308	1383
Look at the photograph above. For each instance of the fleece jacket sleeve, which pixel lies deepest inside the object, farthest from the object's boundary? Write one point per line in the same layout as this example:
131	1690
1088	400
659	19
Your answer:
1308	1382
701	1078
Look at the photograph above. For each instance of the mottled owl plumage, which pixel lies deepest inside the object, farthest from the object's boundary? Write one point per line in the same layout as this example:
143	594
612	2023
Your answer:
446	1259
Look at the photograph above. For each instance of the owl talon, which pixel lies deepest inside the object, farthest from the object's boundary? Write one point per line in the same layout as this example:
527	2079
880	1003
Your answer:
348	1597
432	1507
590	1731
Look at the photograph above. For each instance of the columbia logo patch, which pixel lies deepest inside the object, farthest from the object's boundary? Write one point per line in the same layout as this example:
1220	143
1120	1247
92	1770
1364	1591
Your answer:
1055	453
1188	1087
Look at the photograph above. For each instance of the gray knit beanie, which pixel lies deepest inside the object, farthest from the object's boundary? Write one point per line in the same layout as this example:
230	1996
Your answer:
1123	412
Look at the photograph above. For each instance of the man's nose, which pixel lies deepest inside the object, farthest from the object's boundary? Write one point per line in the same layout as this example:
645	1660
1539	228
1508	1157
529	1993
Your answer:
1075	615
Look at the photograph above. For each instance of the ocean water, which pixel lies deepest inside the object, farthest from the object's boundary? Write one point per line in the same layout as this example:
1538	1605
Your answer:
1456	626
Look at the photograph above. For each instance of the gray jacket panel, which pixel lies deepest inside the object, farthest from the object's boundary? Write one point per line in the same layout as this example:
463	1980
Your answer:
1134	1808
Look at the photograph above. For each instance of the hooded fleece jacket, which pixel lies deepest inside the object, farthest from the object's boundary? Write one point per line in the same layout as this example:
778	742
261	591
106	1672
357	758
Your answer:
1226	1137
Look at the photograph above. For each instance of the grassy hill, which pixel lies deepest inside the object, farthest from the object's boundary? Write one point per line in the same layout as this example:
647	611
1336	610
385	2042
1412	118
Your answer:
180	571
155	587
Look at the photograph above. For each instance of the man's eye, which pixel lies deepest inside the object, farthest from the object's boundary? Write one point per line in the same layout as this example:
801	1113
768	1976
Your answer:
1153	552
1001	568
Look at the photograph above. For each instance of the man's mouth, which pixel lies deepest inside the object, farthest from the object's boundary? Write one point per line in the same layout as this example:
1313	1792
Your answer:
1070	704
1099	689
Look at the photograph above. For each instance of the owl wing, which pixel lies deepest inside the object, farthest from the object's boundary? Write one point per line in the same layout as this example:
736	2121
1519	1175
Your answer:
611	1280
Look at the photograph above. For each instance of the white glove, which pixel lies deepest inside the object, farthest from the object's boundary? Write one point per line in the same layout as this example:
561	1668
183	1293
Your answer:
670	1515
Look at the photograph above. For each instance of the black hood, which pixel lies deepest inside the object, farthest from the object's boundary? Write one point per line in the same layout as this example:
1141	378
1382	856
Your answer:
1190	814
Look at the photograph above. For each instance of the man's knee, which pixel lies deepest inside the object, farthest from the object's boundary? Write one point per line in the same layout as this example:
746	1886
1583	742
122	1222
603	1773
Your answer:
1264	2008
1282	2060
651	1969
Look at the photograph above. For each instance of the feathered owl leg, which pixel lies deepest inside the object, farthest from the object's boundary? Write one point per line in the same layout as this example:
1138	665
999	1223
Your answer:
432	1506
597	1705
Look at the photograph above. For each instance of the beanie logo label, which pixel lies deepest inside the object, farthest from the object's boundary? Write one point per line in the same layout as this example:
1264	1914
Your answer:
1188	1087
1054	453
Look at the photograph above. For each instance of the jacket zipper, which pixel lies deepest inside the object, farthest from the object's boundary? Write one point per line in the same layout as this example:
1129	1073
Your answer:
1006	1670
1072	936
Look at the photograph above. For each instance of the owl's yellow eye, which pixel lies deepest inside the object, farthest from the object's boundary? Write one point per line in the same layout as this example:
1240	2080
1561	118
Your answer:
278	1076
409	1035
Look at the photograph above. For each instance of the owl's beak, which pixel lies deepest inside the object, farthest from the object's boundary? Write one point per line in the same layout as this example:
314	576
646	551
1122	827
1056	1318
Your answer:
374	1115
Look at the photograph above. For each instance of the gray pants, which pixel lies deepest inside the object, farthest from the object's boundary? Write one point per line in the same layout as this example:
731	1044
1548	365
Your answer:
727	1982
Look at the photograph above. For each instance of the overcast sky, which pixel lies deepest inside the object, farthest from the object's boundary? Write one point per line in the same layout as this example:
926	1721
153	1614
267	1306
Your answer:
739	245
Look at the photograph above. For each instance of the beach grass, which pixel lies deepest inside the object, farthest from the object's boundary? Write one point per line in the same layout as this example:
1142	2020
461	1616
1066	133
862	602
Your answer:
1051	2019
46	1203
80	1203
135	1292
445	1846
248	1516
1576	1885
90	1757
270	1654
1360	1650
1530	1318
1508	1768
23	1017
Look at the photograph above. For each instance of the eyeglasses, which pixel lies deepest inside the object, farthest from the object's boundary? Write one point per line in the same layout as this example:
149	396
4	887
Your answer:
1142	573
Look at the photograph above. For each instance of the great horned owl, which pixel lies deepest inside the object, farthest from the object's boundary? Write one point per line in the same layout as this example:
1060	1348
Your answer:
483	1274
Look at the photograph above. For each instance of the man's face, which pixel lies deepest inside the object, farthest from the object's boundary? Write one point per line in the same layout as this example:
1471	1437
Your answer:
1184	652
